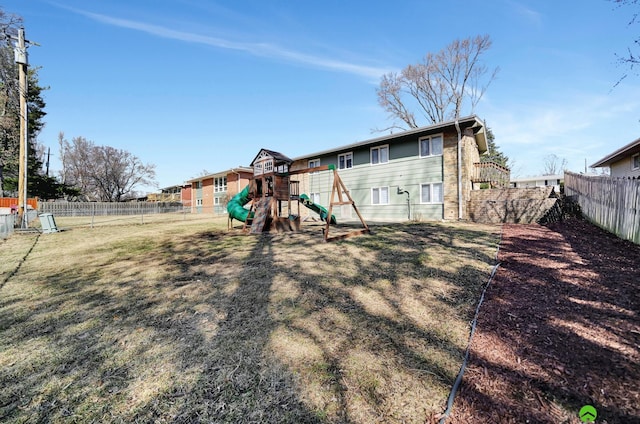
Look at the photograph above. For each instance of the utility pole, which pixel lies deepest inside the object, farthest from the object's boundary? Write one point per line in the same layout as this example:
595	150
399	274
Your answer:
48	159
21	60
23	64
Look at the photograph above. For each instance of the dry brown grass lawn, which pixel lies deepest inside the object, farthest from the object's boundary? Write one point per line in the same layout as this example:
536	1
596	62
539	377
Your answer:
185	322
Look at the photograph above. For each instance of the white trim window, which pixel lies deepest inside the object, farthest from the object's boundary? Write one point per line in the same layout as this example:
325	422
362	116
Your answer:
345	160
219	184
379	155
314	197
268	166
431	193
635	162
216	201
313	163
430	146
380	196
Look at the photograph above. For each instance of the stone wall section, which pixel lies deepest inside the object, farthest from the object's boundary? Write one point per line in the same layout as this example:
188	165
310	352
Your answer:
470	156
450	173
511	205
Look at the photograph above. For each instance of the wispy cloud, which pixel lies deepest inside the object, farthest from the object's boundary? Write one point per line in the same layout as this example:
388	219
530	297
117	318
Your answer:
260	49
528	13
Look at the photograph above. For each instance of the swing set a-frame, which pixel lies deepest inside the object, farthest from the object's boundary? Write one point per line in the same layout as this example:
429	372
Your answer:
340	196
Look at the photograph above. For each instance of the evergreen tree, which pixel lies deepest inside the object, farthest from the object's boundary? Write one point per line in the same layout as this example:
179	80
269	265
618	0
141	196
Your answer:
38	184
493	151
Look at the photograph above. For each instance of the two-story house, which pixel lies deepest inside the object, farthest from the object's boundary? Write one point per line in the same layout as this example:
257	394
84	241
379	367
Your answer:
210	193
426	173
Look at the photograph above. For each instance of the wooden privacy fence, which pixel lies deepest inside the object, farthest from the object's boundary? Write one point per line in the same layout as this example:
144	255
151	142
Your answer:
107	208
611	203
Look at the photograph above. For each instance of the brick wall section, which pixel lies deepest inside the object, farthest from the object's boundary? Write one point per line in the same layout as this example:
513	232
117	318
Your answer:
470	156
512	205
450	183
503	194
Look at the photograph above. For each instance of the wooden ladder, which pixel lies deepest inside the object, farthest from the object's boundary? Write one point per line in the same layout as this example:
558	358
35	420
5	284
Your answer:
250	216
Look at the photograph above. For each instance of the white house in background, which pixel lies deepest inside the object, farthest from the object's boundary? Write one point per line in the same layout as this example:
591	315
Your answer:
624	162
539	181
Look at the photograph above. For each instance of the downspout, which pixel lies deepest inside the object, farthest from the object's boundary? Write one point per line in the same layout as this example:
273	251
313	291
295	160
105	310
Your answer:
237	185
459	169
237	181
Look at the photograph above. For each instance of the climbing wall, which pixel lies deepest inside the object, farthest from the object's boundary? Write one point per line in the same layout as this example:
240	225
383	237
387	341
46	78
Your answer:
261	214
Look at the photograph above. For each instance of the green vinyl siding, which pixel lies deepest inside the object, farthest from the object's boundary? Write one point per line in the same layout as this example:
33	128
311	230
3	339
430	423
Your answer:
407	172
408	148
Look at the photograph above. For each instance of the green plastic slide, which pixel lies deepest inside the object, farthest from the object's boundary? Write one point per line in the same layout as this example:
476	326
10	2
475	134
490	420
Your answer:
320	210
235	207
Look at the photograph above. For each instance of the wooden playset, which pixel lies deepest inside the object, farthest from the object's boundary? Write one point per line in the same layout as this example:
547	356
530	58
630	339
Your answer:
275	198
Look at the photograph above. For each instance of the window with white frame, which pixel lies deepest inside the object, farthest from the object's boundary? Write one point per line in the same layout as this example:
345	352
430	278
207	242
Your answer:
345	160
431	193
198	202
635	161
314	197
380	196
379	155
197	185
431	146
314	163
219	184
268	166
216	200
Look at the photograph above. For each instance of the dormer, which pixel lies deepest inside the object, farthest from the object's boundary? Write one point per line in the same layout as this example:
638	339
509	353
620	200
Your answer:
269	162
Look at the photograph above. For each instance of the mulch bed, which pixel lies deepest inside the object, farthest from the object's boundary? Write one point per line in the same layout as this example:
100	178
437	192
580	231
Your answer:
559	329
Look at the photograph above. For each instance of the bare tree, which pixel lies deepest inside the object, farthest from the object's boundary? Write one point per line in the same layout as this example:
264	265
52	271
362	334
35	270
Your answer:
441	87
103	173
631	58
117	172
553	165
77	163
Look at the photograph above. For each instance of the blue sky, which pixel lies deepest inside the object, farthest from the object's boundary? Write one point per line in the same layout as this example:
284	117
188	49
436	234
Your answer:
193	85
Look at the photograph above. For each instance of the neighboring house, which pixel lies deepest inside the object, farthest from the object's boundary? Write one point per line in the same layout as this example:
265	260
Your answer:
624	162
539	181
210	193
185	196
167	194
425	173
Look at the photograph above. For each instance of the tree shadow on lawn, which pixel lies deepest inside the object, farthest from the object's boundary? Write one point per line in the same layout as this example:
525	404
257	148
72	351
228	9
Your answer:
250	329
317	332
127	350
372	311
239	383
558	330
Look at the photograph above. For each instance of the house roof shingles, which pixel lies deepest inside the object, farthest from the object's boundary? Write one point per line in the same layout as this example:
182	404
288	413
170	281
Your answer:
467	122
